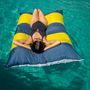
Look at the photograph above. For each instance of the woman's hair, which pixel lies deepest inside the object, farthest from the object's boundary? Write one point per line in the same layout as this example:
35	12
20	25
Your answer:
38	46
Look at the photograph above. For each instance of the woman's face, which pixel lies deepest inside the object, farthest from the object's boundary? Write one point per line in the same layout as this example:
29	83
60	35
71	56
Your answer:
36	36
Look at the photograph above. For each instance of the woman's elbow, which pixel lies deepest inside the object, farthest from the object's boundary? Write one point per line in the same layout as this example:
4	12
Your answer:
14	41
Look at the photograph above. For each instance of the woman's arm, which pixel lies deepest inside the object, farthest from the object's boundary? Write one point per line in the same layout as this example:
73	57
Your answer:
20	43
28	41
52	44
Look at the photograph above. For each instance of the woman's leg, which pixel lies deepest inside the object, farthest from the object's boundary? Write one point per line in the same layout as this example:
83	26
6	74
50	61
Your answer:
42	17
35	17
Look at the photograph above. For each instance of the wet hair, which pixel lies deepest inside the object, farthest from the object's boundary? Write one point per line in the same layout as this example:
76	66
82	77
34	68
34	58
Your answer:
38	46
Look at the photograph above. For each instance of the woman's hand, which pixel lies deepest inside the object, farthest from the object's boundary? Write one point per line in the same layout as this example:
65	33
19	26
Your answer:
52	44
27	46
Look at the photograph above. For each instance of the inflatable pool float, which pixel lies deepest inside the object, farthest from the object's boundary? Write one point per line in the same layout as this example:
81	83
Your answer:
62	53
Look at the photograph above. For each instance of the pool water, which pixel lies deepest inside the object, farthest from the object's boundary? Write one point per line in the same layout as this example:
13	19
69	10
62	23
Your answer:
70	76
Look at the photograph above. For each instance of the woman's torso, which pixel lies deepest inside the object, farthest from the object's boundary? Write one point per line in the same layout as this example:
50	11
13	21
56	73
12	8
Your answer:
38	27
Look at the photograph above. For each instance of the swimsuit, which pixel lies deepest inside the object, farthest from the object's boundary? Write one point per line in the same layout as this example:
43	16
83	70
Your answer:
41	28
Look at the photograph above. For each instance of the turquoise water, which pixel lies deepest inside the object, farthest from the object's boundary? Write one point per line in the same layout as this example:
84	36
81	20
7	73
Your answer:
71	76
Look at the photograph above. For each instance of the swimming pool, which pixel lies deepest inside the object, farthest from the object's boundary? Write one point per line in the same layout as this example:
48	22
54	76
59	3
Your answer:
71	76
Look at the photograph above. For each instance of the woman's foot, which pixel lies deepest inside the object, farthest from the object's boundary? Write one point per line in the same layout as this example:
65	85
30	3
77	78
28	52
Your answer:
35	17
42	17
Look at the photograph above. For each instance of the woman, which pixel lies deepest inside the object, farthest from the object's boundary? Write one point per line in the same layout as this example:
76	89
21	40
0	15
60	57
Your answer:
37	40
